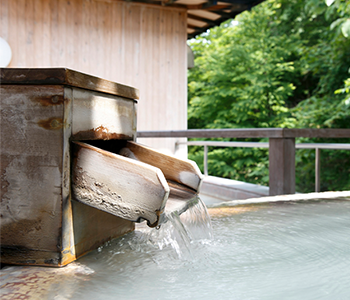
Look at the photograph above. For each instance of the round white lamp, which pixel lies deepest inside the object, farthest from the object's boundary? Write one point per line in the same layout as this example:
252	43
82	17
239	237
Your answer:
5	53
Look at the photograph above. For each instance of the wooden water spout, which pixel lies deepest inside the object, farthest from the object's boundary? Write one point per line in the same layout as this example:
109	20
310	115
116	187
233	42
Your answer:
71	177
133	184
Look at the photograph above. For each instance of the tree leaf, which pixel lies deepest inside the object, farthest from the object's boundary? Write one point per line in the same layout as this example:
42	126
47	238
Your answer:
345	29
329	2
337	23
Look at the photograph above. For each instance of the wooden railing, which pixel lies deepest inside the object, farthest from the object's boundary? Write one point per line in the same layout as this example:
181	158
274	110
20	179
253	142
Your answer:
316	146
281	148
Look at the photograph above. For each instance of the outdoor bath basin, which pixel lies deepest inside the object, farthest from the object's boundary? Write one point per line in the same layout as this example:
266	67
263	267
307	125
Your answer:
269	248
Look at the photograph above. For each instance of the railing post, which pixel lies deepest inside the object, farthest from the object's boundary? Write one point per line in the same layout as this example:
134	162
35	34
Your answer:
205	160
317	170
281	166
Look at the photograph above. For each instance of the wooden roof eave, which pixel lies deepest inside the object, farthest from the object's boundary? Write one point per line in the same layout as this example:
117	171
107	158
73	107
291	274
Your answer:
226	9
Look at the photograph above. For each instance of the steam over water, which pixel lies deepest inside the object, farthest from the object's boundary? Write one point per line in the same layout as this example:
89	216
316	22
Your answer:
297	250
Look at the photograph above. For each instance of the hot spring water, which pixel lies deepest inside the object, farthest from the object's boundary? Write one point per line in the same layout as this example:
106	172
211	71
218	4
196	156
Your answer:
294	250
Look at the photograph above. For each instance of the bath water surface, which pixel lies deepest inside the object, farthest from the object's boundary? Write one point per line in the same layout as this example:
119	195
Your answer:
295	250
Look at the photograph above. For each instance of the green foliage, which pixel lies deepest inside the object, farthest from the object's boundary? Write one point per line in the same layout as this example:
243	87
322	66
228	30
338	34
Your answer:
279	67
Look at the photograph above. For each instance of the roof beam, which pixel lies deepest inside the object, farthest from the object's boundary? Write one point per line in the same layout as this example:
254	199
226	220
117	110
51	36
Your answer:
208	21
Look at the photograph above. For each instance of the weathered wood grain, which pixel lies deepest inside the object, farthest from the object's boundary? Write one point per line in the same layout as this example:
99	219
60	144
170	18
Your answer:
93	227
248	133
185	172
31	169
39	223
118	185
64	76
67	247
281	166
213	133
97	116
316	133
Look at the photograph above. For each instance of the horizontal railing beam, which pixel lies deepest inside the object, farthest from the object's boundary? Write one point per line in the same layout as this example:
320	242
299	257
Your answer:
213	133
331	146
225	144
248	133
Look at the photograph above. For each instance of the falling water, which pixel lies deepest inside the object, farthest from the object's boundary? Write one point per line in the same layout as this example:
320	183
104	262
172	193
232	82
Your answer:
180	231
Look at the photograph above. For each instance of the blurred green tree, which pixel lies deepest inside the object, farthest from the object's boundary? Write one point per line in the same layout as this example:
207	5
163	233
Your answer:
284	65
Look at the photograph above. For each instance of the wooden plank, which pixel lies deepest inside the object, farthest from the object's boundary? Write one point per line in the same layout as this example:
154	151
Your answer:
85	81
185	172
93	57
99	116
213	133
93	228
20	50
132	29
83	38
31	171
38	30
106	39
62	29
317	133
146	67
281	166
4	15
160	115
77	9
169	120
29	48
56	39
45	40
118	185
65	77
167	70
69	44
204	14
117	41
248	133
134	54
12	28
182	79
67	245
157	75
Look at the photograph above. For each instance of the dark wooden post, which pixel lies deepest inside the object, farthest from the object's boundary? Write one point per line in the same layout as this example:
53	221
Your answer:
282	166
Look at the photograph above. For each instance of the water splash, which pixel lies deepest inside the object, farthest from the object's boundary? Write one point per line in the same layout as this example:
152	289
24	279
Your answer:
180	231
197	220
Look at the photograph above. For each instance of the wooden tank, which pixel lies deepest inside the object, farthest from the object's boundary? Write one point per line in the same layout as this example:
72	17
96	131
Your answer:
65	188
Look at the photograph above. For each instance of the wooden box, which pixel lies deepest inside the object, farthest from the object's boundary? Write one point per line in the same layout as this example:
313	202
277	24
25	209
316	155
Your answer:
42	111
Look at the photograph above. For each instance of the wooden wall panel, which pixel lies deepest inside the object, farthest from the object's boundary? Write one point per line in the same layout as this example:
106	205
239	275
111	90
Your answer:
4	15
139	45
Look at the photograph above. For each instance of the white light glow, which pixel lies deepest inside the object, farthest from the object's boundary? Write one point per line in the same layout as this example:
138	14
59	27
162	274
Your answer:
5	53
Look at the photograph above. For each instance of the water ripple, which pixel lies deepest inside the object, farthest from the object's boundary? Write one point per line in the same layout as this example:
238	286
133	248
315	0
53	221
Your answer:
280	251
